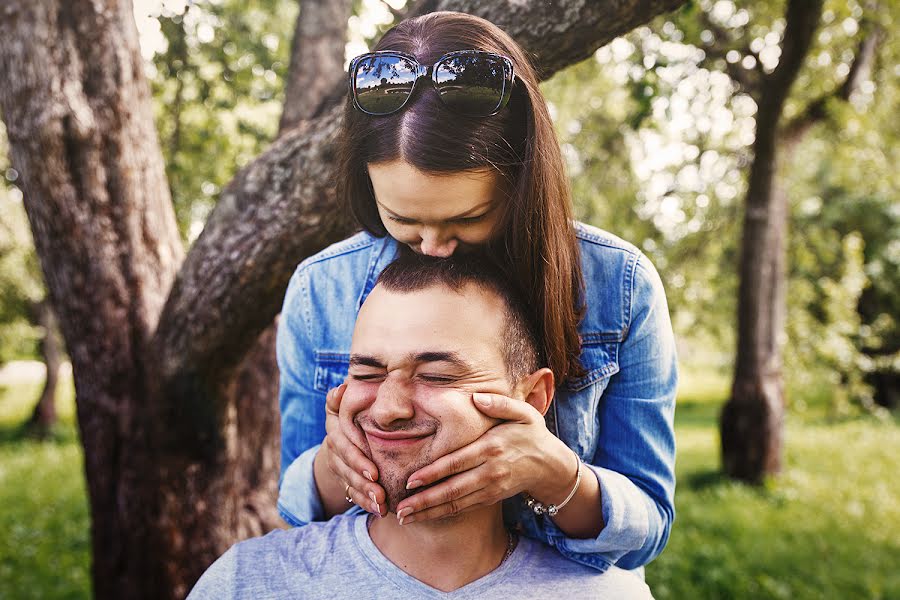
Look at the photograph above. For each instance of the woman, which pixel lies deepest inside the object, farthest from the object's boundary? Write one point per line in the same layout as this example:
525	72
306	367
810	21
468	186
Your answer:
469	159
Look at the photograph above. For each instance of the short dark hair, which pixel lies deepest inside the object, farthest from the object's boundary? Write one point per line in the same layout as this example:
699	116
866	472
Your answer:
412	272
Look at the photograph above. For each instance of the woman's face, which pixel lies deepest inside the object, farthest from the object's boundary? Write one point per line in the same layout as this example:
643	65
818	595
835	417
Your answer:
437	214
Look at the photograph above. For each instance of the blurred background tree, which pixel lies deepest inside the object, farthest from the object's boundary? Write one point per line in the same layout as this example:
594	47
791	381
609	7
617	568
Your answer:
657	130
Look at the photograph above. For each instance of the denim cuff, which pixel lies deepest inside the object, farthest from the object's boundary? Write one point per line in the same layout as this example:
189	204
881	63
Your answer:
625	518
298	498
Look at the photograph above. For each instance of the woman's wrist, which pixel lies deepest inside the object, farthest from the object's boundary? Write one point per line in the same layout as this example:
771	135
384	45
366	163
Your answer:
557	474
330	490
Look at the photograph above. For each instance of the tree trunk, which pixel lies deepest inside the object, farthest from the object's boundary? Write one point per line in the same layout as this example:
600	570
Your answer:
174	370
317	58
752	419
43	418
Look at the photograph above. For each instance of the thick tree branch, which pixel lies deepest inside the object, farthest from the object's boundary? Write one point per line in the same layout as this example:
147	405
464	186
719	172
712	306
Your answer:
281	207
317	58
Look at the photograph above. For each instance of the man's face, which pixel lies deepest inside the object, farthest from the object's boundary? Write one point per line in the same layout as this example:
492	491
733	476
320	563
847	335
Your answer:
415	360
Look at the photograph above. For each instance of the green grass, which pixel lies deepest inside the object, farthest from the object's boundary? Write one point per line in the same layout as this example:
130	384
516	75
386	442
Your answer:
45	544
829	527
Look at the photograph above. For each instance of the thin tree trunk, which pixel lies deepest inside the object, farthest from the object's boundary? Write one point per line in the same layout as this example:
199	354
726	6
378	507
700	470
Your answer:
317	58
43	418
752	419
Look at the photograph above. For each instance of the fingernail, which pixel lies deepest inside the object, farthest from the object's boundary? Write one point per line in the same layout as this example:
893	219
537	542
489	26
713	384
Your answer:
404	512
372	496
482	399
368	476
413	484
376	507
408	520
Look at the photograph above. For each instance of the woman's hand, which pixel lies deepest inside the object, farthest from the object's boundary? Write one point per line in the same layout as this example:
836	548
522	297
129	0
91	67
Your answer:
347	464
519	454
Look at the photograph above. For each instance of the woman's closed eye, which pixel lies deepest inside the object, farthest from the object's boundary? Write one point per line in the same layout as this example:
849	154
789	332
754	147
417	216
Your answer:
466	220
402	220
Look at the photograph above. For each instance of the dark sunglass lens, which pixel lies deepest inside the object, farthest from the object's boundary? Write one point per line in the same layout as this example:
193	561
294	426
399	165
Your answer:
471	84
383	83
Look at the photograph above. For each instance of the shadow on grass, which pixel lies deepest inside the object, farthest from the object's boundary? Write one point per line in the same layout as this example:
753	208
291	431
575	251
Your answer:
701	480
692	412
60	434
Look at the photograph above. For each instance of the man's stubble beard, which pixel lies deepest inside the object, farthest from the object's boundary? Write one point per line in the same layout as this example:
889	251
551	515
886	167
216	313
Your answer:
393	476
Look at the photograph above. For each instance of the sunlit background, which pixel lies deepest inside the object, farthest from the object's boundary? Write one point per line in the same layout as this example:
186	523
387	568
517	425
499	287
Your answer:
656	134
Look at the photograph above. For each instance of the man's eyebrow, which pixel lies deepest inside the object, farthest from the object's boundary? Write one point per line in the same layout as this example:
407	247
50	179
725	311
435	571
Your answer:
453	358
364	360
448	357
462	215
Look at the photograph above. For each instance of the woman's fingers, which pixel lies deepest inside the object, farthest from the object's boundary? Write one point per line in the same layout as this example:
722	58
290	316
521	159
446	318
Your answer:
333	399
362	491
463	459
453	496
506	409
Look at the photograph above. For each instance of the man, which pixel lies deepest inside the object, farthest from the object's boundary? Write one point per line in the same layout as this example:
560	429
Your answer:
432	333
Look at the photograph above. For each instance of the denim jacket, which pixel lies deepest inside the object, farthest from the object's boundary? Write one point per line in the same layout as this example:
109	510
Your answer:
618	417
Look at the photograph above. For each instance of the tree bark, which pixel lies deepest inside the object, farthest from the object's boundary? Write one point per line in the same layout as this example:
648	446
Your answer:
752	420
317	58
43	418
173	362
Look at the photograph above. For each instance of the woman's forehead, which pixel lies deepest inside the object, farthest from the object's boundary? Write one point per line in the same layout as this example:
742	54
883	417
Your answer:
402	190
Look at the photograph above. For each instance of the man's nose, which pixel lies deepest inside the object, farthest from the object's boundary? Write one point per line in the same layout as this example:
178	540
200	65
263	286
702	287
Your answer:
437	243
393	402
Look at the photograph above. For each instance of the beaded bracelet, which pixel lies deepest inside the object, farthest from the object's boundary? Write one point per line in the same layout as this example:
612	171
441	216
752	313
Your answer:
538	507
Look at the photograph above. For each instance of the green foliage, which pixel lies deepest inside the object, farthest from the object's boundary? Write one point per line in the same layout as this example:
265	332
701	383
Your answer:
658	139
20	277
218	92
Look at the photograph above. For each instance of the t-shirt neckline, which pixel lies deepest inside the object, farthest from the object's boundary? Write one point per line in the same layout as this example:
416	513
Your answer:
408	583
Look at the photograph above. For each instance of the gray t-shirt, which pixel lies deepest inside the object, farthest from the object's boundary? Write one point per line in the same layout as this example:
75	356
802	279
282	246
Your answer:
337	559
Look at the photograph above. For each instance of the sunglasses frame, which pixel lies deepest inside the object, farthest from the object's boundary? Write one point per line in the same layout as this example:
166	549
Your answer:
430	72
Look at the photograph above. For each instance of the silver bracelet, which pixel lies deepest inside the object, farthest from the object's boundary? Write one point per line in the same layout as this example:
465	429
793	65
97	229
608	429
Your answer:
538	507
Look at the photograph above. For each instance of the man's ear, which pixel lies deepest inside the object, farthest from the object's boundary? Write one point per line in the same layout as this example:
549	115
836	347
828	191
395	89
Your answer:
538	389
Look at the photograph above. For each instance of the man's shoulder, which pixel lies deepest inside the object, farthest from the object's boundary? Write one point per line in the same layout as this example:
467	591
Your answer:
276	563
546	566
303	546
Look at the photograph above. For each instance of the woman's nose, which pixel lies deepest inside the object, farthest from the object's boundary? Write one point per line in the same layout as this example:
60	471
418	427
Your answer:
437	243
393	402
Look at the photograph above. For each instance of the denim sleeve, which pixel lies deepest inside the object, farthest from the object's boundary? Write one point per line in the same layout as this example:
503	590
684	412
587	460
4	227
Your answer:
635	458
302	407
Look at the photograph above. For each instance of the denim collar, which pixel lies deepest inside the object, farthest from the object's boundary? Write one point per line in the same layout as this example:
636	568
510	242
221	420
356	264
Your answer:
384	251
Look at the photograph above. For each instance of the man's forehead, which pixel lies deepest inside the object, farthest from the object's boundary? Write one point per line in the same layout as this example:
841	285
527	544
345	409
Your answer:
419	325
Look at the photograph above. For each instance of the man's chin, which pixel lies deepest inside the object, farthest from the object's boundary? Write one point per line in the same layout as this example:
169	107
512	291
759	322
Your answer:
393	478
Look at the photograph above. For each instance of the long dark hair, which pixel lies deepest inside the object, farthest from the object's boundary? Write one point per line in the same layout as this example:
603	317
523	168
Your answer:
537	244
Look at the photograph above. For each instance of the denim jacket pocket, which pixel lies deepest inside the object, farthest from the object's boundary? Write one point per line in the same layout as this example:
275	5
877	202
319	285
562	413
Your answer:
600	361
331	370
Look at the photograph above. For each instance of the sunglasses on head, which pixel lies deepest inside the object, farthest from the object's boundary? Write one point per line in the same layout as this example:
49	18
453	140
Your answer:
470	82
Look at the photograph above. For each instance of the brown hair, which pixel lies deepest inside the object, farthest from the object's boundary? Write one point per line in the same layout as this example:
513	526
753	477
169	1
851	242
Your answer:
536	245
412	272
